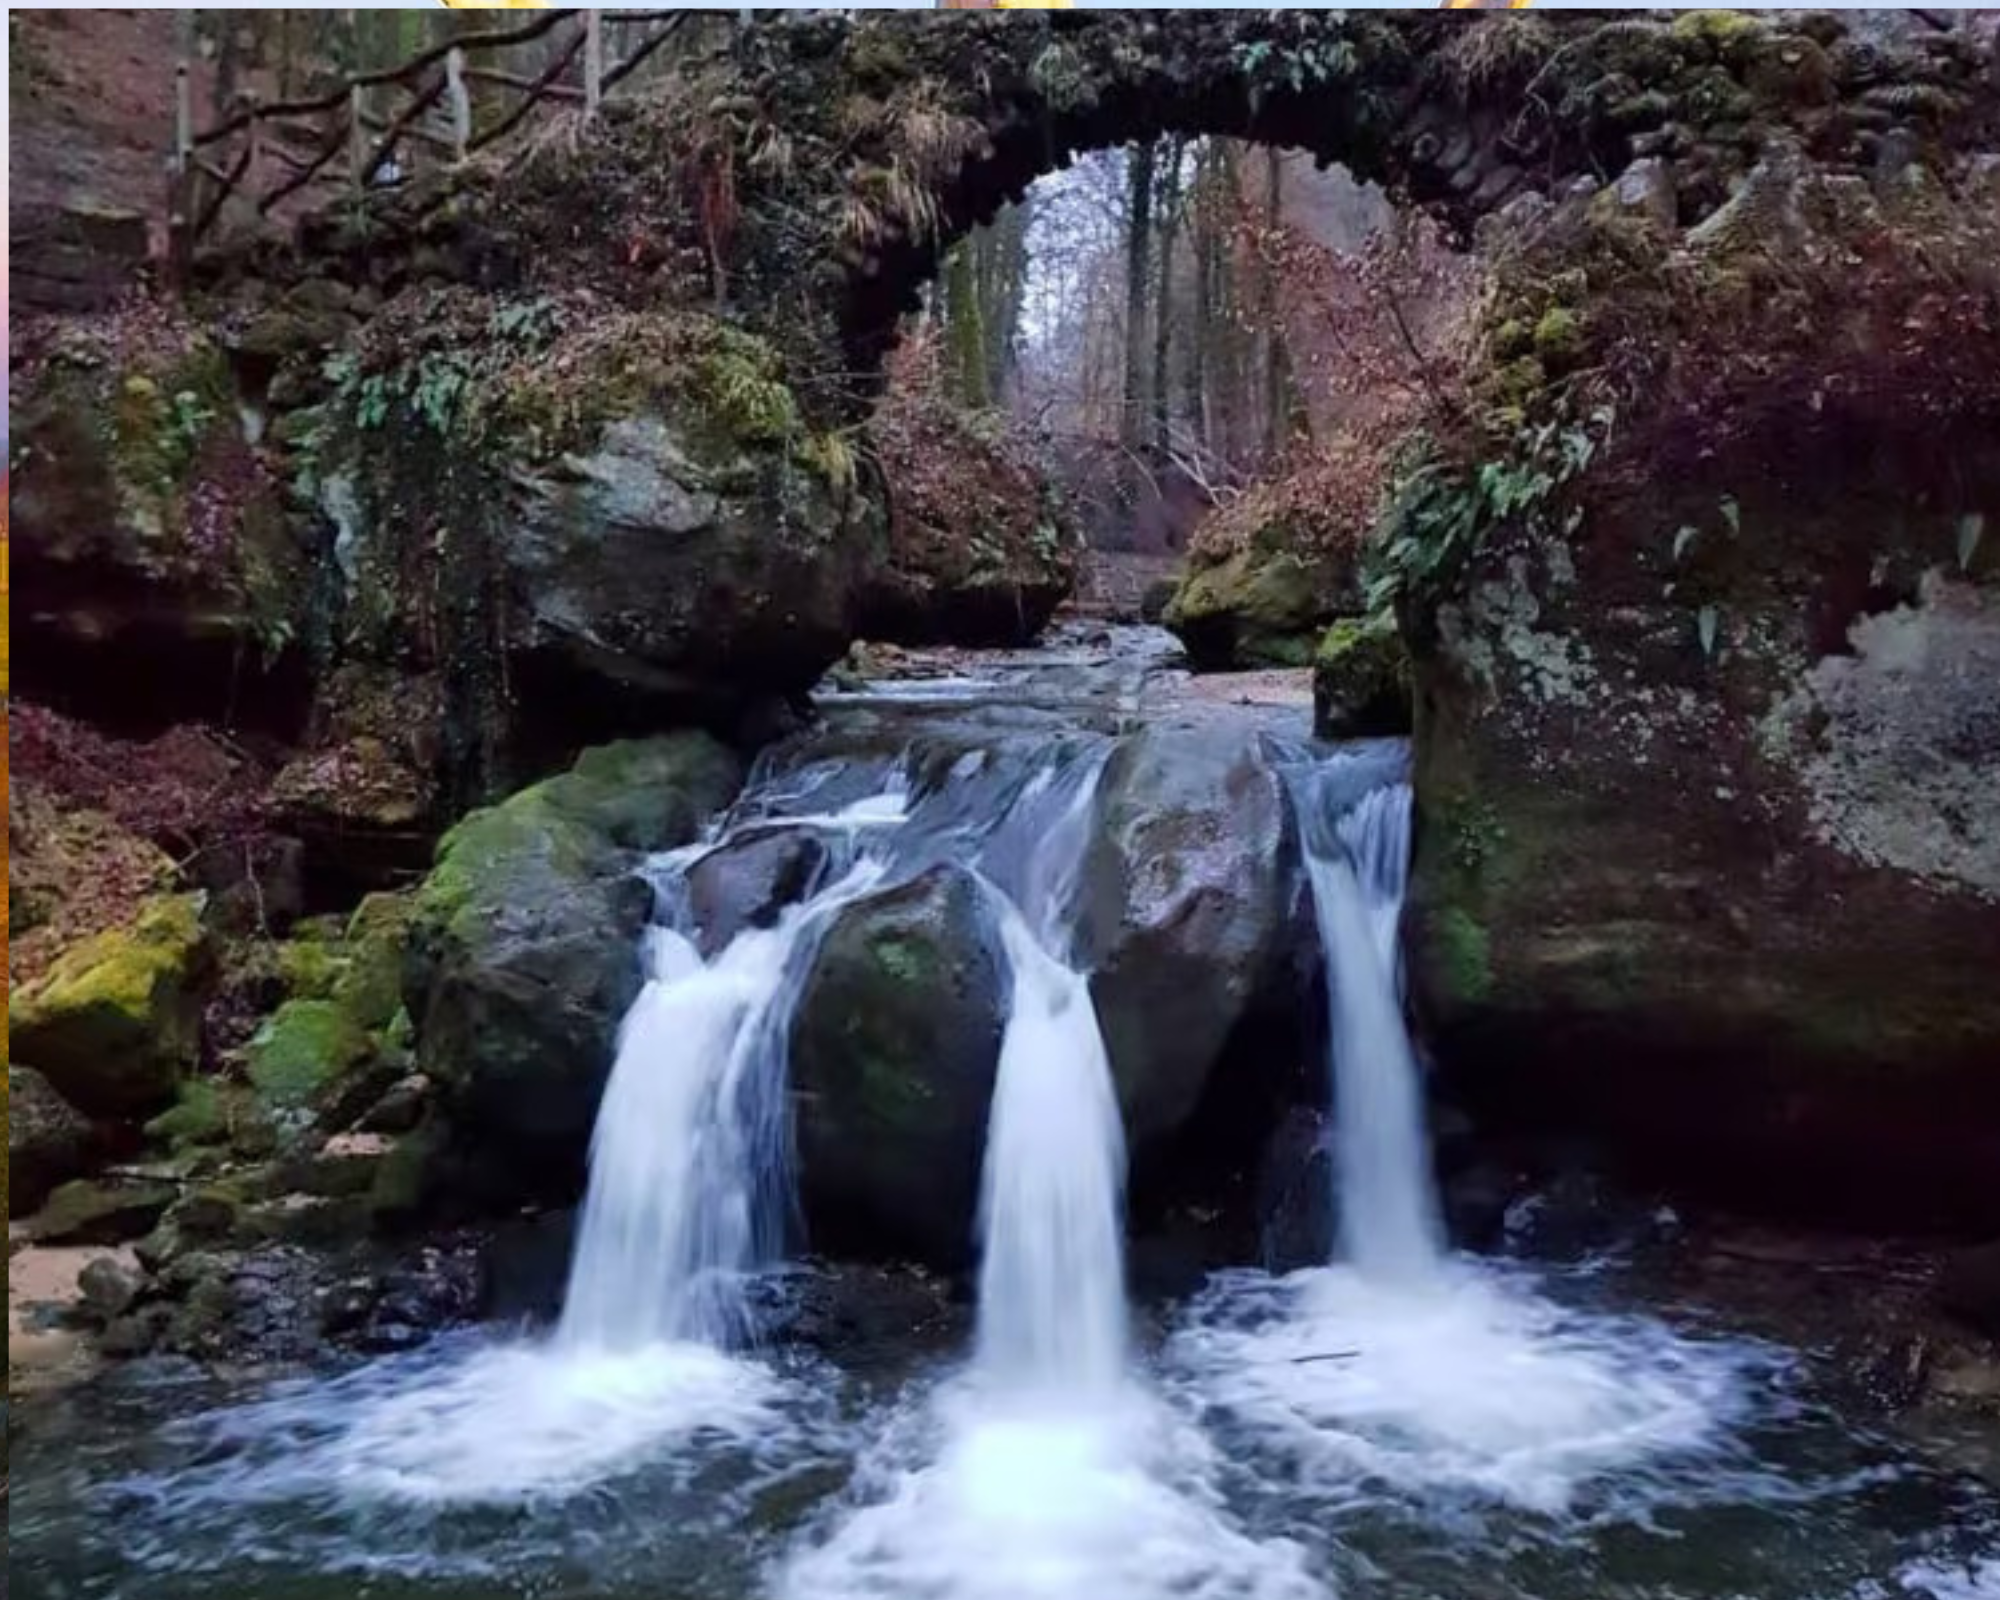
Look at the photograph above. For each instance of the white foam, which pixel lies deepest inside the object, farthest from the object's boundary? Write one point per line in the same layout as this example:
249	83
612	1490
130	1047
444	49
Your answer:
1104	1501
501	1424
1469	1381
1972	1580
528	1422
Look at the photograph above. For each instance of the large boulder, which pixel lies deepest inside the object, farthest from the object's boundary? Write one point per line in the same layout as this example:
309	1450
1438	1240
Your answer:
573	522
894	1046
524	955
48	1140
1190	906
980	549
154	567
1265	575
1709	851
117	1019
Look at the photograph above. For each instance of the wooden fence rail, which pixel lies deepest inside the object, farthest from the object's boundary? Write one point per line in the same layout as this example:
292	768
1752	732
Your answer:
270	151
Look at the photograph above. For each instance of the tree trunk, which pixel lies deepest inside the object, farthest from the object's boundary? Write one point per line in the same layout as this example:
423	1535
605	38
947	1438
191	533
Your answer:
1166	222
1138	257
965	337
1278	395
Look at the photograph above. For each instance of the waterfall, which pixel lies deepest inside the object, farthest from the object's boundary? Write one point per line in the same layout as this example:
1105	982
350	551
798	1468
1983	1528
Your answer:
1399	1365
1357	863
689	1173
1055	1470
1052	1266
1052	1277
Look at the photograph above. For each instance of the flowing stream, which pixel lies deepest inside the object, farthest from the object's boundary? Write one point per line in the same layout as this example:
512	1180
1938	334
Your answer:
1400	1422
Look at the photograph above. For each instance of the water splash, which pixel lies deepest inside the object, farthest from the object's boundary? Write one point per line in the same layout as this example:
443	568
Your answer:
1048	1471
690	1180
1398	1367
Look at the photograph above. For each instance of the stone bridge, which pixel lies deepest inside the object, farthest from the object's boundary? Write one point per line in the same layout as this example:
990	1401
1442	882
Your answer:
816	175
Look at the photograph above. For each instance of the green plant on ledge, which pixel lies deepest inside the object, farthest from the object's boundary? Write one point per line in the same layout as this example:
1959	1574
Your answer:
1439	512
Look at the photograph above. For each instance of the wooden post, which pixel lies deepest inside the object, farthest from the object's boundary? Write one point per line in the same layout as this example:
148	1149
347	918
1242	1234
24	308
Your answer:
181	176
357	136
593	60
461	102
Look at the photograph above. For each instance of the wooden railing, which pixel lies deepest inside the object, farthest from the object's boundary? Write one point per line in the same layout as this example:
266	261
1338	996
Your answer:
270	152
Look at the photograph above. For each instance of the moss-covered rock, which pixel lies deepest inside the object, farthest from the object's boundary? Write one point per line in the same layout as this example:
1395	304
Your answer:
894	1045
524	942
209	1114
979	549
1260	606
116	1021
1361	680
138	508
302	1051
113	1211
1707	857
48	1140
644	527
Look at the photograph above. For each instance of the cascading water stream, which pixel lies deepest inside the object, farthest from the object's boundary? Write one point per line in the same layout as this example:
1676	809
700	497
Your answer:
1052	1265
1357	864
689	1177
1400	1364
1053	1472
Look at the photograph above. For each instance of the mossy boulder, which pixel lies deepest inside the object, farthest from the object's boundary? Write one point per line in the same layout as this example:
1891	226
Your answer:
48	1140
894	1045
1709	840
1189	919
140	513
524	953
116	1021
1361	680
1260	606
568	520
980	550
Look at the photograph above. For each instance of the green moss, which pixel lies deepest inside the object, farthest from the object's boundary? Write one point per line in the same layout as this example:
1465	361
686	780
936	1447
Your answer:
159	424
309	967
117	1017
371	989
1558	338
1462	955
1519	383
1513	338
200	1115
908	960
1361	679
1727	35
302	1049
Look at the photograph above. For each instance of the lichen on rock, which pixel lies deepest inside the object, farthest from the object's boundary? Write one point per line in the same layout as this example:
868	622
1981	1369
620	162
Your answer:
114	1024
